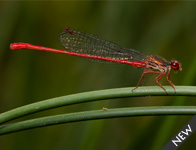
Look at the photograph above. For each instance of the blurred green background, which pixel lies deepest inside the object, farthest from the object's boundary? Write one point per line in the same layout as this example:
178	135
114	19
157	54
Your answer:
167	29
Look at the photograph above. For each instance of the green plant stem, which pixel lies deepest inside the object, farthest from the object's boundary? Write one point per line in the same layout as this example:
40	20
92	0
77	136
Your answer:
94	96
98	114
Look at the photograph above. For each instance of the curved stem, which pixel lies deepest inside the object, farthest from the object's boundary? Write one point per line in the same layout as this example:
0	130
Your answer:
94	96
98	114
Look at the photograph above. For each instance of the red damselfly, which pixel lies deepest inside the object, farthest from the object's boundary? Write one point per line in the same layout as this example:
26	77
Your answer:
89	46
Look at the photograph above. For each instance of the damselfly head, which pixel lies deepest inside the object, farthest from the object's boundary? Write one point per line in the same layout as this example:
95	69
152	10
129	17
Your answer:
176	65
68	30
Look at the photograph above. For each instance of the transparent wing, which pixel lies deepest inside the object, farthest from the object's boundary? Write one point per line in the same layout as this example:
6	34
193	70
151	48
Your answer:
86	43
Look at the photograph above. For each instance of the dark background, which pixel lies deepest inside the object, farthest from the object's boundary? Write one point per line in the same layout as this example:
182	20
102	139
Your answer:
167	29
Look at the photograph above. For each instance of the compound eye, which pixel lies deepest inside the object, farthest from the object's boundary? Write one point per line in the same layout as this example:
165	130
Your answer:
175	65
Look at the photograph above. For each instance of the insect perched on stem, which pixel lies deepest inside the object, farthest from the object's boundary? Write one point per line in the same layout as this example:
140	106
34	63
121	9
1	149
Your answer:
89	46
